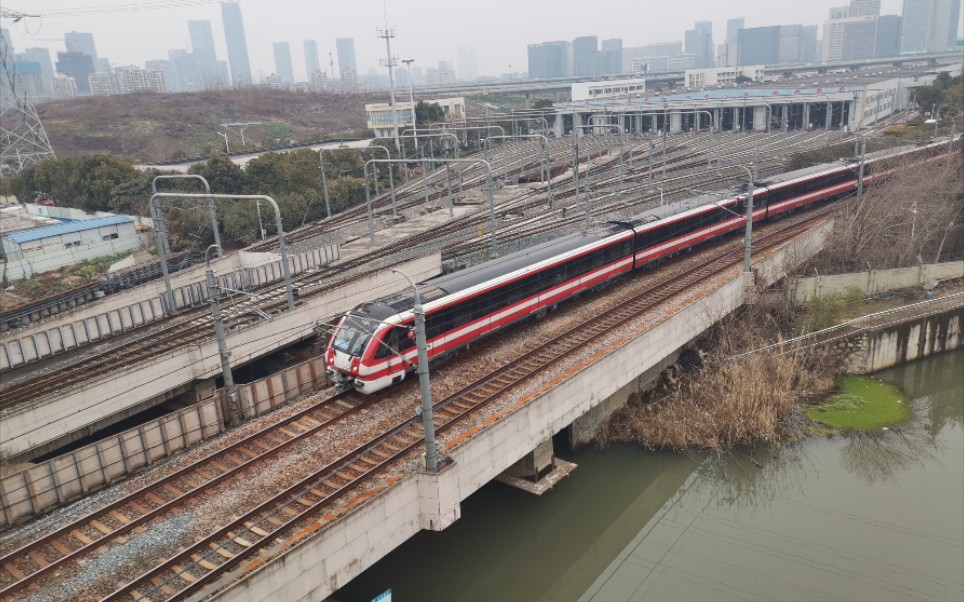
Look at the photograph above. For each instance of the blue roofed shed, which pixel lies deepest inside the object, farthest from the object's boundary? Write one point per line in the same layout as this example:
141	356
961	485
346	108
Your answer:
52	247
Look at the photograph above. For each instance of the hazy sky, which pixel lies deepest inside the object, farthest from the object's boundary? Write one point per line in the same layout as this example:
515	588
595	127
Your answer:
130	32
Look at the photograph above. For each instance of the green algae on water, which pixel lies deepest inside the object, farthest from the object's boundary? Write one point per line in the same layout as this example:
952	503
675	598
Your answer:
863	404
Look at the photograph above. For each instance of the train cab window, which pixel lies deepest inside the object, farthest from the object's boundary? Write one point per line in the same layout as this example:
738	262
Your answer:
389	344
354	334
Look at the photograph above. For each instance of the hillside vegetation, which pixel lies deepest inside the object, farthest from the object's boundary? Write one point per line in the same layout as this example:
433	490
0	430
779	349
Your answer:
161	127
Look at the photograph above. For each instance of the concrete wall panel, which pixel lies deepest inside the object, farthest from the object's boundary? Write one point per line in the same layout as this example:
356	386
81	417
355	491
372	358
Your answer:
67	477
875	281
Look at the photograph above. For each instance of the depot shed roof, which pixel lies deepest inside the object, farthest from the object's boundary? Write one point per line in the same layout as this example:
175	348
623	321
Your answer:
24	236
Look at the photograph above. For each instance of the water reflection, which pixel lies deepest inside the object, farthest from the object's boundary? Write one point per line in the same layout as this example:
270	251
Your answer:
752	479
881	457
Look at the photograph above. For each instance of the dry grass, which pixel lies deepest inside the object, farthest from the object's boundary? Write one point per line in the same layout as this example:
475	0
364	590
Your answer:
731	401
158	127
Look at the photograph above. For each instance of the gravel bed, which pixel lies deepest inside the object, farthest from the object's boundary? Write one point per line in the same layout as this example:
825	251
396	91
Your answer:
113	565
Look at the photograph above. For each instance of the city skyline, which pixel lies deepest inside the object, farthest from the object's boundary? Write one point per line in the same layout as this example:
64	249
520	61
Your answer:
416	37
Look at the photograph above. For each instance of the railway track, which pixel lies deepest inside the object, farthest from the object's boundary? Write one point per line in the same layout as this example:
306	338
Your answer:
241	312
50	553
297	509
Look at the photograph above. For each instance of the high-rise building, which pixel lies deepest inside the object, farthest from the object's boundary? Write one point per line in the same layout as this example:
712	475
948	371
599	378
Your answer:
468	64
797	44
548	60
165	68
888	36
759	45
864	8
41	56
186	76
82	43
729	51
851	31
611	60
202	49
926	25
134	79
312	63
30	82
319	82
954	24
237	43
733	27
699	43
77	65
282	63
652	57
584	51
103	84
346	57
63	86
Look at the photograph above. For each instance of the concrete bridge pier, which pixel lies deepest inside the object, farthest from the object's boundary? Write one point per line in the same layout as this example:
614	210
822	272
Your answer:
577	122
537	471
585	428
559	125
675	122
759	118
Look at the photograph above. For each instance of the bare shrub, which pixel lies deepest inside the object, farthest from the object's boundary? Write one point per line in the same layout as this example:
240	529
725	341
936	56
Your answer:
914	217
735	399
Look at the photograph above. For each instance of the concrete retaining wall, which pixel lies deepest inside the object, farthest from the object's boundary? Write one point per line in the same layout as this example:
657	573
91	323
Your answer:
890	345
32	346
875	281
72	475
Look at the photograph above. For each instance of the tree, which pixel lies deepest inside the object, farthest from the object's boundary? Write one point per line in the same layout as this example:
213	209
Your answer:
742	79
265	175
428	112
223	175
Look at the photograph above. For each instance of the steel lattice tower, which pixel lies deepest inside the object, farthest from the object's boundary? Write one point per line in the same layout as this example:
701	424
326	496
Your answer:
23	140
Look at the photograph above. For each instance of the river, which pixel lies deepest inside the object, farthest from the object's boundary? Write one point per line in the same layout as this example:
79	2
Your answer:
876	517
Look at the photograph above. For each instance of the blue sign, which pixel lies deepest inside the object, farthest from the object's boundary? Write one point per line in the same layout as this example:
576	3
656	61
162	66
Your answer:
385	596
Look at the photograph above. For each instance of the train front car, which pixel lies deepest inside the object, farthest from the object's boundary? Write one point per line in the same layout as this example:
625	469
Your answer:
357	355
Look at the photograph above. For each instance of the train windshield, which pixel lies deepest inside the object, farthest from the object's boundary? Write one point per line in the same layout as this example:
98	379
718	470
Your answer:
354	334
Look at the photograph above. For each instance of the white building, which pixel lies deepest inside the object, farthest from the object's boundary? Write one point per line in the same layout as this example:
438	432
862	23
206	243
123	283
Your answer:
380	114
607	89
134	79
103	83
63	87
722	76
49	248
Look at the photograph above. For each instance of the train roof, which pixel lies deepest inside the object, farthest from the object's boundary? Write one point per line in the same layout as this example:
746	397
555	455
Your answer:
440	286
678	207
849	163
483	272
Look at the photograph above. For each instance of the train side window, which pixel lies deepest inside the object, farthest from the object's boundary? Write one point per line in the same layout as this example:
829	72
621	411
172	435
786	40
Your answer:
405	342
388	345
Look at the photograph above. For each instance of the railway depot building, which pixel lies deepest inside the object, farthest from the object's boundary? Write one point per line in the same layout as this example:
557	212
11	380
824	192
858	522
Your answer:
763	107
66	242
380	114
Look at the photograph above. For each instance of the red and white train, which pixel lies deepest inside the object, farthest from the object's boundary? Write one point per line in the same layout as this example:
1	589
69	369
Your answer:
373	346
